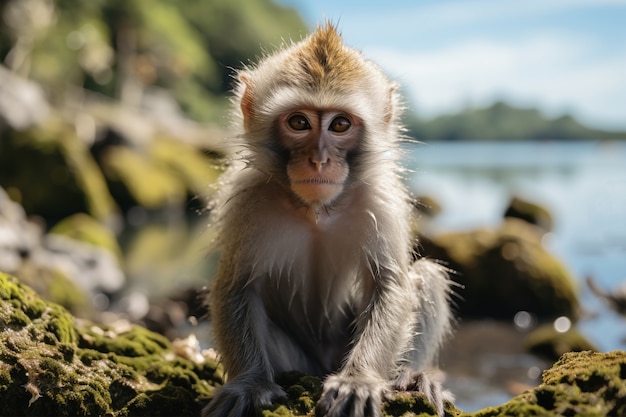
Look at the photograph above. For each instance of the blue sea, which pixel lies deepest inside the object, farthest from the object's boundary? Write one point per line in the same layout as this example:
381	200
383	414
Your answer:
583	184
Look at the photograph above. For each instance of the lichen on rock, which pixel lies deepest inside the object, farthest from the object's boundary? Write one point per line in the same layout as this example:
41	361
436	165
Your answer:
578	384
54	365
506	270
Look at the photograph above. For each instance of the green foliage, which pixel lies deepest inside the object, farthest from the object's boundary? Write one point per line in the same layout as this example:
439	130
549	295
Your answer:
503	122
188	47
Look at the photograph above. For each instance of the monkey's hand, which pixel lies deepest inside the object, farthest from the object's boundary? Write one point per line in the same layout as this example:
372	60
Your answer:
242	397
351	396
427	385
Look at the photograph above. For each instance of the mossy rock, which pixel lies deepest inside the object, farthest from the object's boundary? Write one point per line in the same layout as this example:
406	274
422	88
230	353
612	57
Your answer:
54	365
136	180
579	384
303	391
547	342
53	285
51	173
198	172
166	173
530	212
85	228
583	384
505	270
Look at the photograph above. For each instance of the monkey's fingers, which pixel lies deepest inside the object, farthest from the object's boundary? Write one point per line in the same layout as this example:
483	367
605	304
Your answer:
347	396
239	399
410	380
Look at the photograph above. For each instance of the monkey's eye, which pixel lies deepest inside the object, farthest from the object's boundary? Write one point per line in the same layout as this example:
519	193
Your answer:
340	124
298	122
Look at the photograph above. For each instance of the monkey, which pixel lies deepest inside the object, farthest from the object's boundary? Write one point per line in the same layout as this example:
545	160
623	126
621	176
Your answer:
313	226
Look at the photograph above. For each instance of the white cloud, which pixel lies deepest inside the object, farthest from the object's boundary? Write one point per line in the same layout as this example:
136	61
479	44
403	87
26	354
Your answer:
556	72
417	19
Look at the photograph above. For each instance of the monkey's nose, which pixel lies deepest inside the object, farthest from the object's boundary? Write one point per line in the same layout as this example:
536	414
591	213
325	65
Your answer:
318	162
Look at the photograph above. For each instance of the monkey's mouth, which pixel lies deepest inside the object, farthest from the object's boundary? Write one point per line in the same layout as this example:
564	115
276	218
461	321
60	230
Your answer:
316	181
315	191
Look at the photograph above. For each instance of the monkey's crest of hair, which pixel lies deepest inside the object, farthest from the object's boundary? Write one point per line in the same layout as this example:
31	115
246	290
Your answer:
331	75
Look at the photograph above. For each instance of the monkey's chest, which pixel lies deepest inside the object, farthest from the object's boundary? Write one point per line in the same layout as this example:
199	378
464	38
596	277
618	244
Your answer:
312	288
316	320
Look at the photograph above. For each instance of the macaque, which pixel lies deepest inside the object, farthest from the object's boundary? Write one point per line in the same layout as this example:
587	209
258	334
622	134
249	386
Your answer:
314	234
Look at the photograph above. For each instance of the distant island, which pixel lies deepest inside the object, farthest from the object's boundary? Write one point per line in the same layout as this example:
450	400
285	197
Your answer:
504	122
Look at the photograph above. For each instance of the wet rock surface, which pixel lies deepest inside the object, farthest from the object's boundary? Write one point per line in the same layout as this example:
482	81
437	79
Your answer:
52	364
507	269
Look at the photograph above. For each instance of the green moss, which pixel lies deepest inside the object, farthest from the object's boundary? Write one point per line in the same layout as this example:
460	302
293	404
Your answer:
197	172
404	403
72	181
579	384
53	365
135	342
547	342
504	271
85	228
134	179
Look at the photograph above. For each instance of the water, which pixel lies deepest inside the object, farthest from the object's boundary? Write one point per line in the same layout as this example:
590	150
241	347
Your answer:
583	184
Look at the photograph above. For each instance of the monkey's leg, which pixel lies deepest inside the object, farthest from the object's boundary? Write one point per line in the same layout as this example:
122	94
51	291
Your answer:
432	290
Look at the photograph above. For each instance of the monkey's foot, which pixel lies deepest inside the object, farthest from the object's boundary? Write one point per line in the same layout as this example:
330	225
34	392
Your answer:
427	385
350	396
242	398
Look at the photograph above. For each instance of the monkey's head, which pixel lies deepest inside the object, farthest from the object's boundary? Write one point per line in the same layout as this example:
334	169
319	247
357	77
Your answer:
316	115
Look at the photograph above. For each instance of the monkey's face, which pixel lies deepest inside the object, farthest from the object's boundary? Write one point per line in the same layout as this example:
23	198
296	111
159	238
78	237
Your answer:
318	142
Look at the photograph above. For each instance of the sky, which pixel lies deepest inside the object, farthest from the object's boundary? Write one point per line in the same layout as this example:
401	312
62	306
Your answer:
561	56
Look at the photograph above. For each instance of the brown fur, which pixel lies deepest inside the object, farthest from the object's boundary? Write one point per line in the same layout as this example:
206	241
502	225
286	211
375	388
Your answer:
321	285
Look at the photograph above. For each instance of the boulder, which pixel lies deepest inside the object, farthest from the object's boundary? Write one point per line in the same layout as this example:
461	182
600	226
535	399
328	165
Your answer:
505	270
51	173
578	384
550	343
52	364
78	260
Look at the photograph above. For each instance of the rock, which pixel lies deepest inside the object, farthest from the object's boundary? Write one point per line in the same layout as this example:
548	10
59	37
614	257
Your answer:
86	229
164	174
549	343
51	173
22	102
135	180
62	269
579	384
503	271
54	365
530	212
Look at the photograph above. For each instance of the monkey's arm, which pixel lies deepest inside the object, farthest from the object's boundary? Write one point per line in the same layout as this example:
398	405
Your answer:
382	333
239	322
400	307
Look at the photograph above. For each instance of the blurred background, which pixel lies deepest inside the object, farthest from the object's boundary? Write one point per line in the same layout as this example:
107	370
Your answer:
113	117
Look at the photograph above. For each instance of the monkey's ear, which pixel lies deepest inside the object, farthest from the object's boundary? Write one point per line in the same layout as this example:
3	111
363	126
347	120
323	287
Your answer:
246	99
390	107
